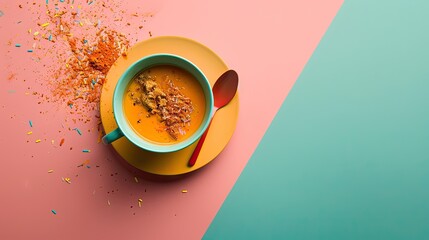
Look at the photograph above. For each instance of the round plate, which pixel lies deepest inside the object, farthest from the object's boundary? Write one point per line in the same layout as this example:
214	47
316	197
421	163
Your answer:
223	123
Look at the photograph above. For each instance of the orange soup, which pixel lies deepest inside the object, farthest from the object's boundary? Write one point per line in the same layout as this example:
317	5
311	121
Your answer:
164	104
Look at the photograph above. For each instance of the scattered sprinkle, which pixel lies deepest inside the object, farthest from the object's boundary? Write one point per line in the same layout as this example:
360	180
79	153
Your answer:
29	30
108	202
30	50
90	2
50	171
86	150
29	133
1	13
17	45
38	140
45	24
54	212
50	37
31	123
140	202
61	142
67	180
47	2
184	191
36	33
78	131
61	0
52	141
136	179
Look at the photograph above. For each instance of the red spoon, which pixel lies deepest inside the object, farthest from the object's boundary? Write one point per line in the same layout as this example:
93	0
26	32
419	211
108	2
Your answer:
224	91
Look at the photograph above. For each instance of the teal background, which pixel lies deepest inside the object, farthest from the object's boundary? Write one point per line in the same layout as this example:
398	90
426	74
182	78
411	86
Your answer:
347	156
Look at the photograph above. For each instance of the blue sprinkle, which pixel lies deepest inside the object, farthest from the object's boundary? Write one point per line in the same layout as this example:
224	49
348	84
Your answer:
17	45
54	212
86	150
87	166
71	106
85	41
78	131
1	13
61	0
47	2
50	37
31	123
29	50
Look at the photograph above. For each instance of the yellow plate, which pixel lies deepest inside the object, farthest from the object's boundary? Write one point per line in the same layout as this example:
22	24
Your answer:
220	131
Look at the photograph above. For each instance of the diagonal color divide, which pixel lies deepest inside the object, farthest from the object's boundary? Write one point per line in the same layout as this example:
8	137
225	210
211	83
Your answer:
346	156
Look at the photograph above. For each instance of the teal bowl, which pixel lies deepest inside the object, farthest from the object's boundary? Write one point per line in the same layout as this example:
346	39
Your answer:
125	130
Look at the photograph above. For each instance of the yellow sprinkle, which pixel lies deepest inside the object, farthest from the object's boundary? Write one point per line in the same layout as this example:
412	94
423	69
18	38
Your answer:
79	6
140	204
136	179
45	24
184	191
67	65
38	140
140	200
30	132
29	30
36	33
81	24
69	34
50	171
67	180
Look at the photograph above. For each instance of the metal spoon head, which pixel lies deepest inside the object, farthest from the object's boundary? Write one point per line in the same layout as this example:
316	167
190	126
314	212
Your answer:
225	88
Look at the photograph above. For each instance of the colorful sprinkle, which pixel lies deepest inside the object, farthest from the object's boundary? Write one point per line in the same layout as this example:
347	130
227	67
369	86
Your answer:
78	131
30	50
108	202
50	37
50	171
136	179
29	133
38	140
36	33
86	150
54	212
61	142
61	0
67	180
53	141
47	2
17	45
140	202
1	13
184	191
31	123
45	24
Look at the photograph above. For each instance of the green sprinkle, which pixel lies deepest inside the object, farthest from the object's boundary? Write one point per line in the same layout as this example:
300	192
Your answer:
47	2
86	150
30	50
54	212
78	131
17	45
31	123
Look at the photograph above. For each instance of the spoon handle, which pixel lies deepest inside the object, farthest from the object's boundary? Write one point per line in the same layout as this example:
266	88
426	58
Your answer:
197	149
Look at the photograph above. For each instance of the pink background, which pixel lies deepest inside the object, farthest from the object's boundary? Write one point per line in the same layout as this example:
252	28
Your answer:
266	42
